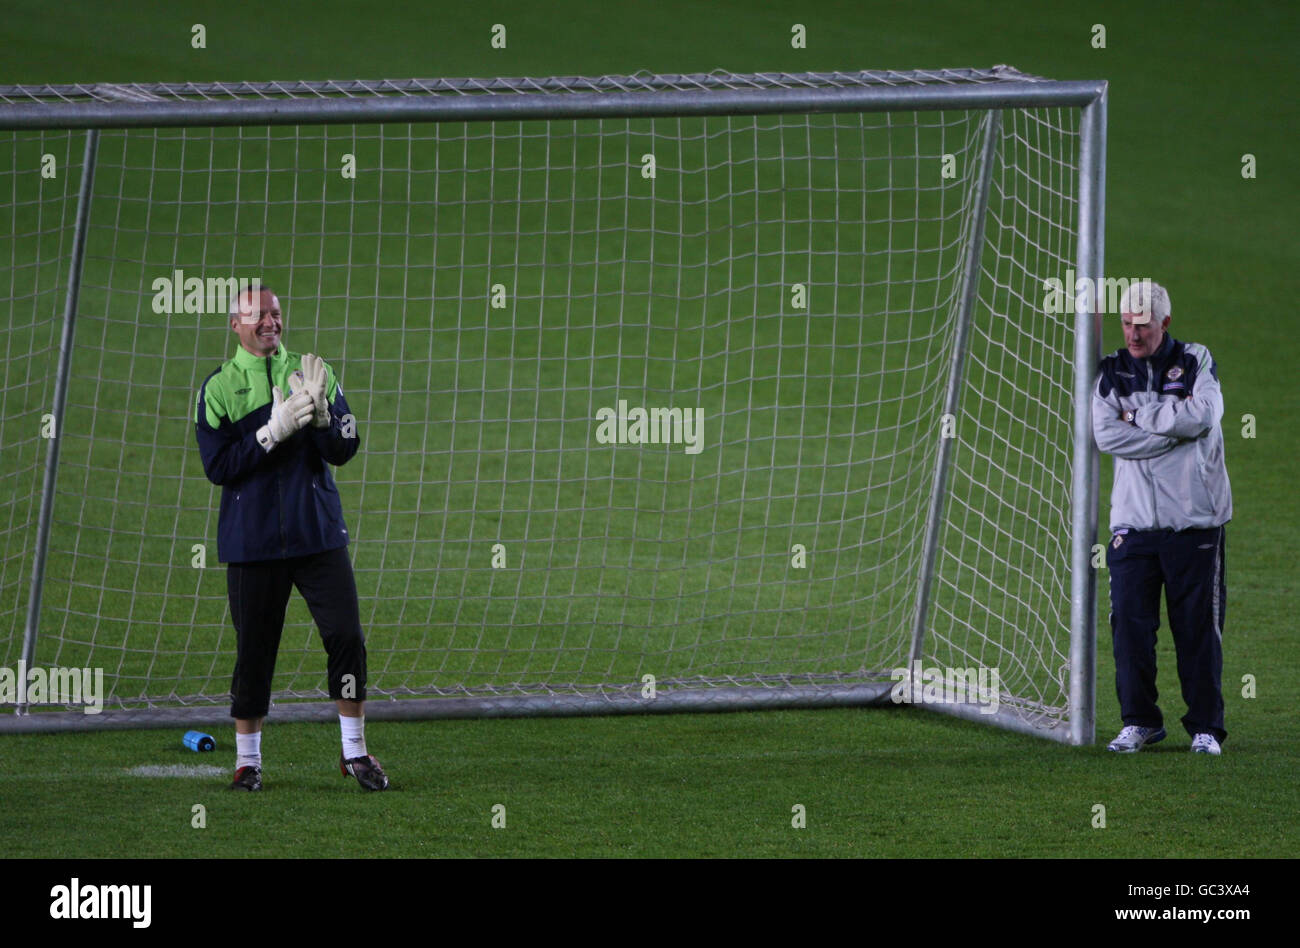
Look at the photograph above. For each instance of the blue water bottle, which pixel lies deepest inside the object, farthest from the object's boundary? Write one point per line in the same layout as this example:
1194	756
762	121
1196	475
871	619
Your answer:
198	741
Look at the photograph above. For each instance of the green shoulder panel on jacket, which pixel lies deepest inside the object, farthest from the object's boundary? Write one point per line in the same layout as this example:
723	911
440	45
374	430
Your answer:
240	386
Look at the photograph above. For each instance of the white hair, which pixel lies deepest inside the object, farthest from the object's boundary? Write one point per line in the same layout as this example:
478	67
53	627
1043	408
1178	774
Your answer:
1145	296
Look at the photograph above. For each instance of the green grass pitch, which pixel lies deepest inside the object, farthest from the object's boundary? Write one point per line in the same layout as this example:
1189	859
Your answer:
1193	89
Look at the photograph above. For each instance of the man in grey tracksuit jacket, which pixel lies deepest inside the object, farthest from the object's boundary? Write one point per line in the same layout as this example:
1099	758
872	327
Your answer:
1157	408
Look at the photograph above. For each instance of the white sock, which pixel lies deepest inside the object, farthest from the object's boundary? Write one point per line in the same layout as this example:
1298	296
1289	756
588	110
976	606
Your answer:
354	736
248	750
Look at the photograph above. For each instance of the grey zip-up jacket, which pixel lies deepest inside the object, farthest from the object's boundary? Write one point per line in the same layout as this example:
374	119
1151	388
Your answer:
1169	466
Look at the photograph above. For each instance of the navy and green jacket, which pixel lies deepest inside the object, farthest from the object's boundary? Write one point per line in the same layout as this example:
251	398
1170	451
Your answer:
280	503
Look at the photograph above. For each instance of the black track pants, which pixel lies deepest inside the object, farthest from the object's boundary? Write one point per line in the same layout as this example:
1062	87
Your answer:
259	593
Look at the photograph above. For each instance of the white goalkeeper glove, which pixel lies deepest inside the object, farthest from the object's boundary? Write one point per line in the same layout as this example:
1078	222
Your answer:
287	417
312	380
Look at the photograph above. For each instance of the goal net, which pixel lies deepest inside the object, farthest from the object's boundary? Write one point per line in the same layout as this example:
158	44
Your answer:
672	391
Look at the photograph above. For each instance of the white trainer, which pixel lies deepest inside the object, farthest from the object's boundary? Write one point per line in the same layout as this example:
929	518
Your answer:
1133	738
1206	744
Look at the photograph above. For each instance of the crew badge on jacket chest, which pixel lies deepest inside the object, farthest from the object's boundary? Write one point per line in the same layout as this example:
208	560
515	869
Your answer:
1173	382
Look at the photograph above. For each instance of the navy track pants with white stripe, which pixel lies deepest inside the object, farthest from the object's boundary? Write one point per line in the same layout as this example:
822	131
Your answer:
1189	565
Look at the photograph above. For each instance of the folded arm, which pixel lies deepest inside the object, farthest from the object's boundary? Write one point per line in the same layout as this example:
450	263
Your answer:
1121	438
1186	418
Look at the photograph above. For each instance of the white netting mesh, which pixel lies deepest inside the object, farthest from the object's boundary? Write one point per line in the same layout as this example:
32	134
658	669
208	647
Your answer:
820	425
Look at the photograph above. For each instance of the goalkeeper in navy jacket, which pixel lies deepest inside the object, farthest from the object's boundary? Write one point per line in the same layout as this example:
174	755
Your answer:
1157	408
269	424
